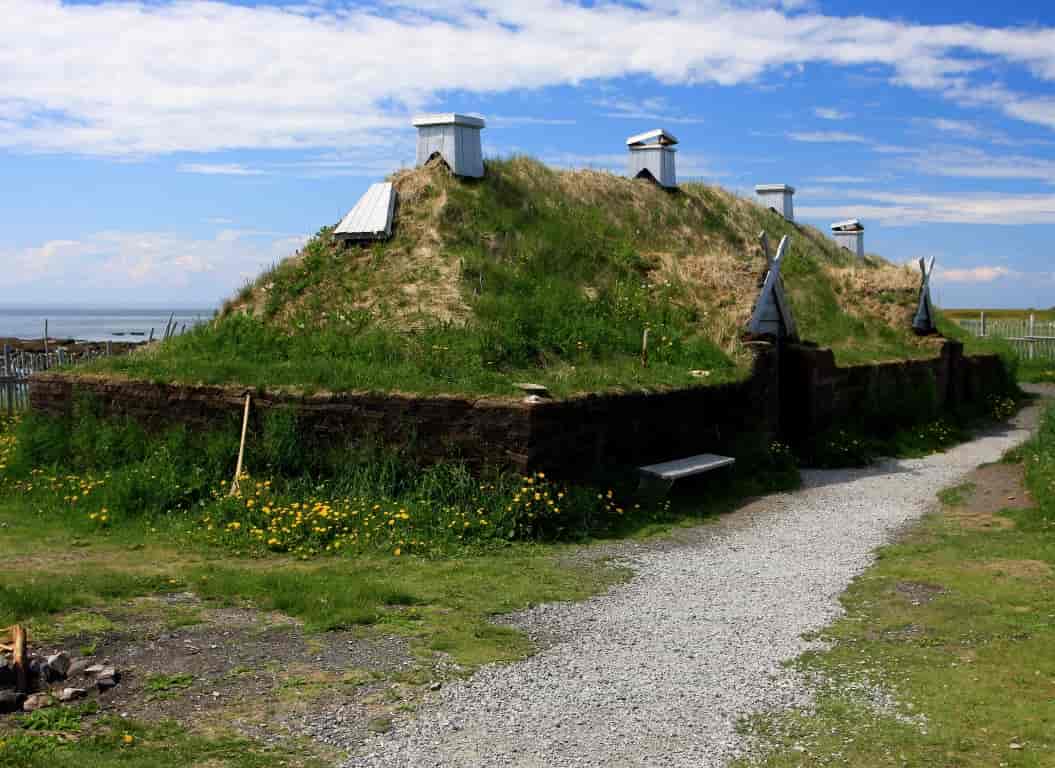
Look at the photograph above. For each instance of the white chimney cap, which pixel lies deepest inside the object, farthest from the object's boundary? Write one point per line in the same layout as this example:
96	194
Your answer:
450	118
657	136
763	188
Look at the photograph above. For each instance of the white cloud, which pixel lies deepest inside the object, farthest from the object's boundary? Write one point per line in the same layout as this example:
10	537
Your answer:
690	165
134	267
828	137
653	108
220	169
135	77
842	179
958	127
982	274
830	113
907	209
527	120
973	163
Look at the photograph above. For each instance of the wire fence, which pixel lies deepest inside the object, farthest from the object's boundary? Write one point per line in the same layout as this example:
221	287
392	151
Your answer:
1031	339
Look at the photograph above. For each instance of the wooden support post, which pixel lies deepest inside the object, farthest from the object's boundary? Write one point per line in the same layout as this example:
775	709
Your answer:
241	448
763	239
644	349
151	336
13	641
45	336
982	325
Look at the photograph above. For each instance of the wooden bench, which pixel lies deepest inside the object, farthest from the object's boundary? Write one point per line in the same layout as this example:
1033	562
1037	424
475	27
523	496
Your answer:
657	479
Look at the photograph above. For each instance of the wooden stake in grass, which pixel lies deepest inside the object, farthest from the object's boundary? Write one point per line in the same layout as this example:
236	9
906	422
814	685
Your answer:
14	642
241	447
644	349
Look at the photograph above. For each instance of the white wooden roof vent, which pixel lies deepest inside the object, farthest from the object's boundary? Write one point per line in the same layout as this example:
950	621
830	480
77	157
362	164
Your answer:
455	138
850	234
652	157
778	197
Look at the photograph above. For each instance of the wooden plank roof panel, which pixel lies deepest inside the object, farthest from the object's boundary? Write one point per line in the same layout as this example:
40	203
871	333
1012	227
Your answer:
372	216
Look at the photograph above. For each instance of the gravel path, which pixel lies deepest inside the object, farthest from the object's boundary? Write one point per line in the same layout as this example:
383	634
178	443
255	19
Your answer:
658	671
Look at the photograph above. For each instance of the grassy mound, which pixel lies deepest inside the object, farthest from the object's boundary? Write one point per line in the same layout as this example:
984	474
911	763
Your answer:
541	275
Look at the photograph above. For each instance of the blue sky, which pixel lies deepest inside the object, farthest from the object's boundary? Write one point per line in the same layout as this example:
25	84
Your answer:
160	153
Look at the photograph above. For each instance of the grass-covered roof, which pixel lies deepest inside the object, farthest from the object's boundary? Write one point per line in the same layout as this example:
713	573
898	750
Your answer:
541	275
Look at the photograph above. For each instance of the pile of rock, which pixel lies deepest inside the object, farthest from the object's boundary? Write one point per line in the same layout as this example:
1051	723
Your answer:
52	680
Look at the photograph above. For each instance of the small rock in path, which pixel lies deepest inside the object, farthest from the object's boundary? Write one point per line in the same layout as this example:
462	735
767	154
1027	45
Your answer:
37	701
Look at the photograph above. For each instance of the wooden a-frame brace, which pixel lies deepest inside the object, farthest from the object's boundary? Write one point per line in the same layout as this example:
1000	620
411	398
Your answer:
923	322
772	314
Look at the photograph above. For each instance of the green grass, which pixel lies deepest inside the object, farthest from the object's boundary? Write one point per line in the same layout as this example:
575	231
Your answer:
956	495
955	623
1000	314
1036	371
165	686
528	281
42	593
63	719
158	491
1032	371
120	743
109	478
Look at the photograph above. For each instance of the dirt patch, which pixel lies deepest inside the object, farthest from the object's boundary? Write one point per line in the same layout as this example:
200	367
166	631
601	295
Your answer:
908	634
996	487
214	667
1030	570
918	592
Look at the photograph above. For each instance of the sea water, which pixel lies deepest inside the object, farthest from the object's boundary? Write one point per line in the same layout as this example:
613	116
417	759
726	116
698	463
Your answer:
95	324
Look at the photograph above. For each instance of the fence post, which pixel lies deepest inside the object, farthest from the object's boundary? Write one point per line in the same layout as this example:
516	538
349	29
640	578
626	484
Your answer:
982	325
1032	340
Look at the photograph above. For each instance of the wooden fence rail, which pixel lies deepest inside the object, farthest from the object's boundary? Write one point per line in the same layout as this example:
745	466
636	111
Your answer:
1032	340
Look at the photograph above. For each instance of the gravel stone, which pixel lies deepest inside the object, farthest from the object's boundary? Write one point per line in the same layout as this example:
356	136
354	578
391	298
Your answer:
658	671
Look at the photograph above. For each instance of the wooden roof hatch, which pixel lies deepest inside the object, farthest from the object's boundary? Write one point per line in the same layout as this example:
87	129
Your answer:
372	216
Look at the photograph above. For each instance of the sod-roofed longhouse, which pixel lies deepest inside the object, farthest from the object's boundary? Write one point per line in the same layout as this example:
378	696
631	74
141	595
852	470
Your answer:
533	274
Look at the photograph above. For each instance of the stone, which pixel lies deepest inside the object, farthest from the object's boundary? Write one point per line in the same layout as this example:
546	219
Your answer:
37	701
435	686
7	673
107	679
78	668
11	701
59	665
94	669
69	694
